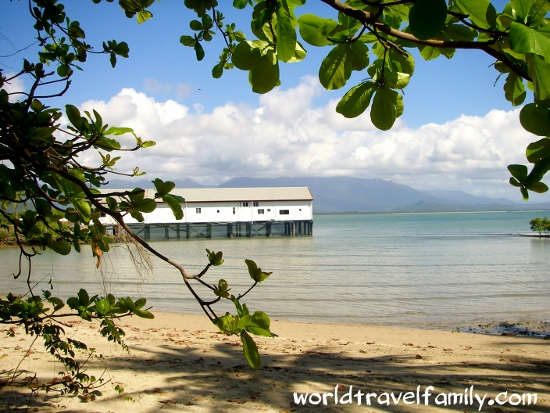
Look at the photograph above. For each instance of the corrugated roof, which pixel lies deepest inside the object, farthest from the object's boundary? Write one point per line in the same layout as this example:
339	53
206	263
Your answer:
236	194
244	194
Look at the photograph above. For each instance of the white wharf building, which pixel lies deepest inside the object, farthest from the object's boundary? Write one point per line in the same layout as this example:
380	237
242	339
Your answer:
230	212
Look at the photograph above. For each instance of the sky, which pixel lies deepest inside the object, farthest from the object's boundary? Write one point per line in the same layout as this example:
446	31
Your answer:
457	132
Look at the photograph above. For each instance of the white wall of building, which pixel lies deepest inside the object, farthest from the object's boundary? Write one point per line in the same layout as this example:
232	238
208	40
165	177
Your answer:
230	212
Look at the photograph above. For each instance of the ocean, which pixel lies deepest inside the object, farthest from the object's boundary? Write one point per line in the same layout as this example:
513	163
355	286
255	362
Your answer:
430	270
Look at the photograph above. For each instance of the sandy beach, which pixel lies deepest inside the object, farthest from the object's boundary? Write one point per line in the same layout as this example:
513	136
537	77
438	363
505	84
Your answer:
182	363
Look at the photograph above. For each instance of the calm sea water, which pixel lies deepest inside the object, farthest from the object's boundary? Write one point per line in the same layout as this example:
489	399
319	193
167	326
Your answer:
398	269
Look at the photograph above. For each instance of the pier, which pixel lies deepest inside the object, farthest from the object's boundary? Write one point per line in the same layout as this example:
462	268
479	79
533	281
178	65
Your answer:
222	229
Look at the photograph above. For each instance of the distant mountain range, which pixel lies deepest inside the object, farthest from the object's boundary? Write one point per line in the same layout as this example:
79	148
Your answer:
345	194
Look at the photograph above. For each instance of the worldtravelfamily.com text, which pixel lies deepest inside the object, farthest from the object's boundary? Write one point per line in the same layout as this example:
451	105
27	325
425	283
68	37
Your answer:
426	396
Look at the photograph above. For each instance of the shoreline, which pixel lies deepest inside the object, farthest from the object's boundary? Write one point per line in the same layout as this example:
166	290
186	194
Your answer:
536	327
180	362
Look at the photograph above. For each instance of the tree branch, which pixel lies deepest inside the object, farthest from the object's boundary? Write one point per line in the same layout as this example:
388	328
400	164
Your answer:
366	17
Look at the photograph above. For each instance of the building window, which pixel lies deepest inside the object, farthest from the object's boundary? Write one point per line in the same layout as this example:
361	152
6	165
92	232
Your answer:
268	210
198	210
284	212
245	204
256	204
233	210
218	211
260	211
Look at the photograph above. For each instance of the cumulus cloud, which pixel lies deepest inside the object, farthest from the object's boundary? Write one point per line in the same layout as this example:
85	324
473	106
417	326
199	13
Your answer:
286	135
14	87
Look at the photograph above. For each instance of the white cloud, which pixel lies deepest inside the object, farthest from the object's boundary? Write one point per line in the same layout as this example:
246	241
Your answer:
155	87
14	86
287	136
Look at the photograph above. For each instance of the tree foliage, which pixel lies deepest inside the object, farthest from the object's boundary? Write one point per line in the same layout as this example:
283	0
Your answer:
51	200
41	165
540	225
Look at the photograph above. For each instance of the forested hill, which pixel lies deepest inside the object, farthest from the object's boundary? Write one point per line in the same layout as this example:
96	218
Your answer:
345	194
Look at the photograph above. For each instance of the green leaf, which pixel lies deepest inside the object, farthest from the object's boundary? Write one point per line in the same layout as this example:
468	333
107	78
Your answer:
427	18
256	273
74	116
429	53
247	55
539	150
143	314
357	99
174	204
60	247
143	16
459	32
195	25
64	70
261	319
118	131
130	305
514	182
242	310
83	208
286	33
199	51
264	77
148	144
315	30
397	80
145	205
538	187
217	71
336	68
215	258
83	297
57	303
240	4
107	144
162	187
43	207
519	172
187	41
400	63
538	11
122	49
250	351
539	70
358	56
383	112
399	105
519	9
481	12
524	39
514	89
333	73
258	331
535	119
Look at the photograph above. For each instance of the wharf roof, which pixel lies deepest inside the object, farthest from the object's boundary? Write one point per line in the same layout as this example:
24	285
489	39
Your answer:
237	194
